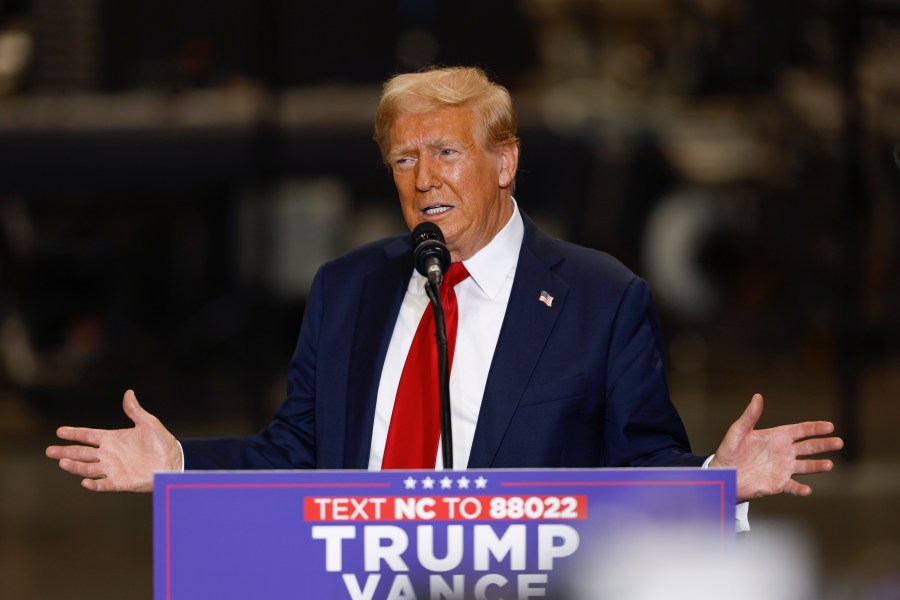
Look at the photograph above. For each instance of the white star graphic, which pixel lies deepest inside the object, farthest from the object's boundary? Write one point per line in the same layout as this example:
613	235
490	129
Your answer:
428	483
481	483
446	483
463	483
410	483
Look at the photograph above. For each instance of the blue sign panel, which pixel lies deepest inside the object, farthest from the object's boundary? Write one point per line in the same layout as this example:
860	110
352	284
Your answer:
416	534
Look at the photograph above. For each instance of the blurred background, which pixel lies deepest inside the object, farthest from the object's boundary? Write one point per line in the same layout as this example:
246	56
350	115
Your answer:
172	174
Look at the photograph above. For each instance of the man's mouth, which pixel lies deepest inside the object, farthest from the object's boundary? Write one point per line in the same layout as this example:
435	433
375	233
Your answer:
432	211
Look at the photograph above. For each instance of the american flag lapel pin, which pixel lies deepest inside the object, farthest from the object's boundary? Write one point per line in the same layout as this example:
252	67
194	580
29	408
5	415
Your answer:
546	298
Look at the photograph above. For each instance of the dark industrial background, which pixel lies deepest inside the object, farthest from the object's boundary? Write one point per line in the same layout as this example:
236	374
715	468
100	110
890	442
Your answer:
172	173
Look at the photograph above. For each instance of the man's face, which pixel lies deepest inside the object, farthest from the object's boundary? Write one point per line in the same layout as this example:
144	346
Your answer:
444	174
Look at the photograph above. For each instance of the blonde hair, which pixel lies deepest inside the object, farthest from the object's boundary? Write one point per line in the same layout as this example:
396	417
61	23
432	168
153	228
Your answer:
436	88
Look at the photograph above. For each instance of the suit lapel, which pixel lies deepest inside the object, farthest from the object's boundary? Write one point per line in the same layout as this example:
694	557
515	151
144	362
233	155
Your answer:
382	294
526	327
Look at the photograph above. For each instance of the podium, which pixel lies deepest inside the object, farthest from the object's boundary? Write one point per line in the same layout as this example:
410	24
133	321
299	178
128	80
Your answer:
417	534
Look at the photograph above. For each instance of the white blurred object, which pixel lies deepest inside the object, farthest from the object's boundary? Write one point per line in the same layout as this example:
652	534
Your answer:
675	563
674	232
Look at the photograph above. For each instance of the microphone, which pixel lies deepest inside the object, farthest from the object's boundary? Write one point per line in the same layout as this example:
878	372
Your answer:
429	252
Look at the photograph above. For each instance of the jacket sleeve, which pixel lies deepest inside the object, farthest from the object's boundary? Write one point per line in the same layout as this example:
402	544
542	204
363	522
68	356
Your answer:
642	427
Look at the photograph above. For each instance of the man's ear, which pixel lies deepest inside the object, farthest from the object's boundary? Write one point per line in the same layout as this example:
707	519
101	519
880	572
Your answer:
508	156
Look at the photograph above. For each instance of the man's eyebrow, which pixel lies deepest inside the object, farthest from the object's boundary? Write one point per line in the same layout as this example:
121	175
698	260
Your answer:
444	141
436	143
398	152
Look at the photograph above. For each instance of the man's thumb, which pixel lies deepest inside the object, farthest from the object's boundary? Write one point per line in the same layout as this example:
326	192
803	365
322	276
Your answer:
752	413
133	409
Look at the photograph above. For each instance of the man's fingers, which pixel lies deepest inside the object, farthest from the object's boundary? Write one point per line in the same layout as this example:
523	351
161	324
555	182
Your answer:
811	429
79	453
85	469
83	435
797	489
56	452
813	446
809	467
98	485
105	484
823	427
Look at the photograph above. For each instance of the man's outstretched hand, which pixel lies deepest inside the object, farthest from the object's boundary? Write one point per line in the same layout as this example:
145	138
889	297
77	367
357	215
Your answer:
119	460
767	459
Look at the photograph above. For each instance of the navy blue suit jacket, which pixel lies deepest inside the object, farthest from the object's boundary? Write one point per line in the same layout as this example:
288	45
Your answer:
580	383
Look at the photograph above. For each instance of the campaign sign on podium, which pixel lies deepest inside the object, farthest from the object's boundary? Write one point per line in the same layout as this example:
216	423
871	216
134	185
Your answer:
415	534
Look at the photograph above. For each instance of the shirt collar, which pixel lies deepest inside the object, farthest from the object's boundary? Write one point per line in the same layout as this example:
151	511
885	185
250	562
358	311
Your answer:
490	266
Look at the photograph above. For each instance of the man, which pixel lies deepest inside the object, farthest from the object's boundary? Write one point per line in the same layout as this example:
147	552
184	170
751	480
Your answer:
558	359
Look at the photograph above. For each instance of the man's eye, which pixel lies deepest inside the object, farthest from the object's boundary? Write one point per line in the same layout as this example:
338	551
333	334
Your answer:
448	152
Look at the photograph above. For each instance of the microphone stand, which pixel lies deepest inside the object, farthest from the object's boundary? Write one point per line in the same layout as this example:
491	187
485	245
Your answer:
440	334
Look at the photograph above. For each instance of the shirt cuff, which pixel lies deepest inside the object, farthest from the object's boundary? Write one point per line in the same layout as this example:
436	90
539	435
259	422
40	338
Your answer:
742	517
181	448
741	509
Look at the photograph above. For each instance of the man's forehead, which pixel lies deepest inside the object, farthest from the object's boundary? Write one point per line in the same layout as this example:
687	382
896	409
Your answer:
450	124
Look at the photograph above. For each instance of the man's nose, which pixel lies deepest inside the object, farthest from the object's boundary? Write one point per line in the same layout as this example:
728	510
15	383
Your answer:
426	174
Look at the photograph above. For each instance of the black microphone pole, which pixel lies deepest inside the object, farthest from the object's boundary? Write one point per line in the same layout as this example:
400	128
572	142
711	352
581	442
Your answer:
432	258
440	334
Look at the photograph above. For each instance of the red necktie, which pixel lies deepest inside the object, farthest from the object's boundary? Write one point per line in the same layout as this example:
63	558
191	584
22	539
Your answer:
415	429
